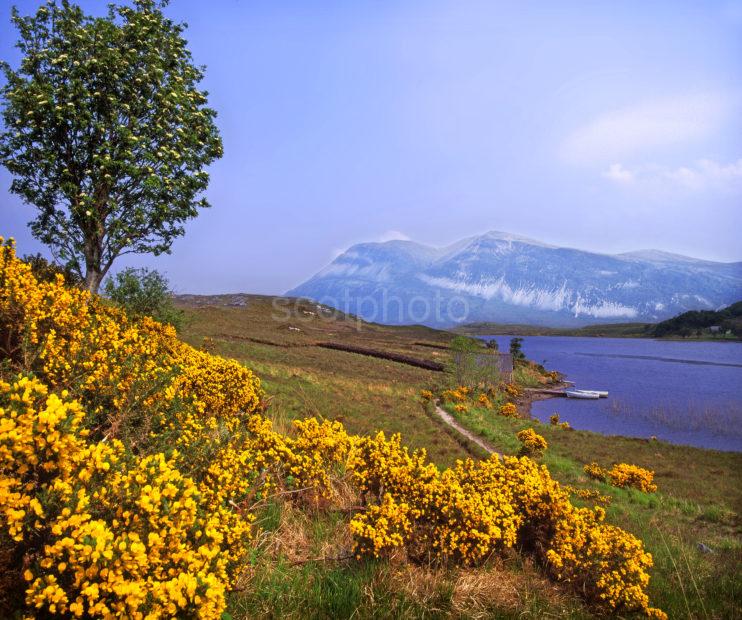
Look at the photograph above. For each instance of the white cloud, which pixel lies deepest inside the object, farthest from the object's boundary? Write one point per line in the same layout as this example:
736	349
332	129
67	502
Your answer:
707	173
704	174
621	133
619	174
393	235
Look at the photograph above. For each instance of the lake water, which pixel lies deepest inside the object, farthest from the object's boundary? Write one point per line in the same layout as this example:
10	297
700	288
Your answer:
683	392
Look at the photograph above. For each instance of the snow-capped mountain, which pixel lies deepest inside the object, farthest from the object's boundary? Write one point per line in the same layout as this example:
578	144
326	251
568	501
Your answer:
509	279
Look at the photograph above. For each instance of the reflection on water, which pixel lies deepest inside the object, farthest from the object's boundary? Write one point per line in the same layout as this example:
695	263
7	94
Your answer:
682	392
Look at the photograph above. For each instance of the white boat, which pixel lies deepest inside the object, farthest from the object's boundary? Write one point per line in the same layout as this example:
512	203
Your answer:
587	394
601	393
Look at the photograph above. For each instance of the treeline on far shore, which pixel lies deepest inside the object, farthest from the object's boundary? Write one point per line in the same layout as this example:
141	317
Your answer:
696	324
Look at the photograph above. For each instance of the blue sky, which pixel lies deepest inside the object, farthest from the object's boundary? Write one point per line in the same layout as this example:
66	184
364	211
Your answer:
600	125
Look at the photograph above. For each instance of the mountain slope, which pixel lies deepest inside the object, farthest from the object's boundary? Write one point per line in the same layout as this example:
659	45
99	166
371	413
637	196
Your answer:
505	278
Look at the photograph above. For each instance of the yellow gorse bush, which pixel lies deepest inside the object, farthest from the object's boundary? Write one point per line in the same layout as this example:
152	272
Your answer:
624	475
509	410
131	464
532	443
512	390
589	495
466	513
458	395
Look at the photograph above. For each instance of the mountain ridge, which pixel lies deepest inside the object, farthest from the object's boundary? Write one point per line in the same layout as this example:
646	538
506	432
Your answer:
502	277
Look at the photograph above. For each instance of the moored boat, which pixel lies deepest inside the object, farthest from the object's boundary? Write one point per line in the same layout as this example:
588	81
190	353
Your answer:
586	394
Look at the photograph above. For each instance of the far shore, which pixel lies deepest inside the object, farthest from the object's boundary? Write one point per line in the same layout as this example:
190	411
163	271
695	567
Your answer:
586	332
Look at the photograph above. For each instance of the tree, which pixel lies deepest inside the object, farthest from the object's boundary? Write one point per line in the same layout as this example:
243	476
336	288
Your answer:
106	132
516	349
492	344
46	271
144	292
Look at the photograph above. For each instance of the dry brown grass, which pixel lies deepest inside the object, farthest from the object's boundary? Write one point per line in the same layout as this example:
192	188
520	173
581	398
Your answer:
502	586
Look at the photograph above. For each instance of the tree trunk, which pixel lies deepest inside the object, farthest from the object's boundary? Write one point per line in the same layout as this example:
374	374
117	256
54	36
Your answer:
93	278
94	269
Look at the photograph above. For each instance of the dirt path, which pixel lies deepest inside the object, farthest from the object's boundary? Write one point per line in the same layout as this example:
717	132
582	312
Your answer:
476	439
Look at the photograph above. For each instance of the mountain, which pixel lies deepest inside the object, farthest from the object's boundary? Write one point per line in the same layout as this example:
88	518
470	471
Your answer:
504	278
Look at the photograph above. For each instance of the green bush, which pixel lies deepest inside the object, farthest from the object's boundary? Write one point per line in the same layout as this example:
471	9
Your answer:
144	292
46	270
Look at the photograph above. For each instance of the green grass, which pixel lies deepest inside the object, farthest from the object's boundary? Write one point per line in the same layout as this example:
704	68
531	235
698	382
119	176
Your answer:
698	501
283	584
699	498
366	394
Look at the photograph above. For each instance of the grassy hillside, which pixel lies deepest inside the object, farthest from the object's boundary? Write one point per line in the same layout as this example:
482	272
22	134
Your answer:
279	343
699	498
726	322
698	502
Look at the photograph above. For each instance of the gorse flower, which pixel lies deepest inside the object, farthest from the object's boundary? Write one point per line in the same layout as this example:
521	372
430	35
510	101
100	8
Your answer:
624	475
460	394
131	463
532	443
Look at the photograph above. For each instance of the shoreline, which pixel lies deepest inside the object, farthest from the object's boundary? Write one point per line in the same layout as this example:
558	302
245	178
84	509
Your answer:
600	336
528	398
525	404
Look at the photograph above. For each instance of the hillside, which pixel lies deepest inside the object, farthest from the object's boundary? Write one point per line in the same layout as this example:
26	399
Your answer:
723	324
367	393
141	474
503	278
726	322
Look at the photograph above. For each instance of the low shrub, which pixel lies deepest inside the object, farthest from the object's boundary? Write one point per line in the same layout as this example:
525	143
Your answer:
624	475
144	292
532	444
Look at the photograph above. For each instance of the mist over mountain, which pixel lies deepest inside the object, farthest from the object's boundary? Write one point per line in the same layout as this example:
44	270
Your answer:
504	278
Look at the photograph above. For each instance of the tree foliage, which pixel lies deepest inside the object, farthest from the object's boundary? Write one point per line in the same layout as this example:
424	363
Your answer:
729	318
144	292
516	349
106	131
47	271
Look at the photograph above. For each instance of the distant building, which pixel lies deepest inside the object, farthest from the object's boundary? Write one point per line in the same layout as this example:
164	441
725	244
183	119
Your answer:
715	329
500	363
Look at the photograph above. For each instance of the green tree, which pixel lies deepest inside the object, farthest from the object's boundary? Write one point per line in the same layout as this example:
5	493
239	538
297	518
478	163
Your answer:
492	345
106	132
516	349
144	292
47	271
